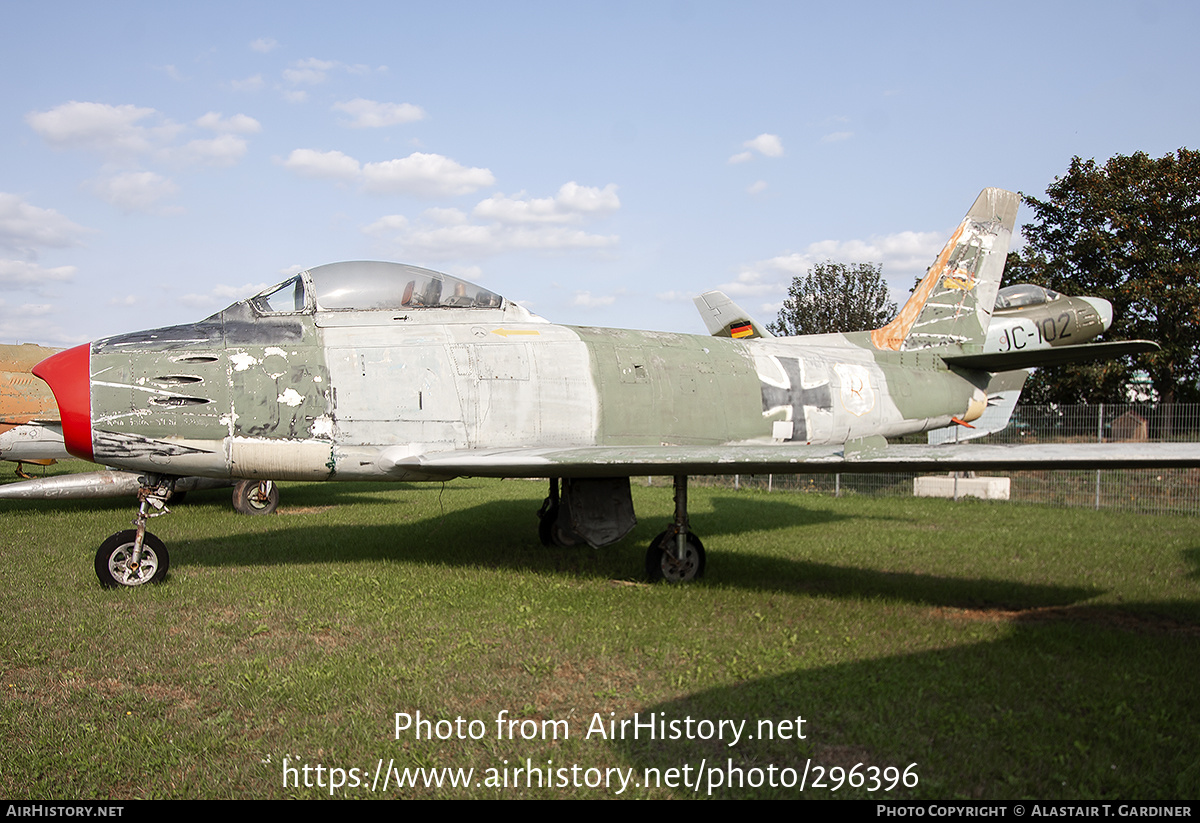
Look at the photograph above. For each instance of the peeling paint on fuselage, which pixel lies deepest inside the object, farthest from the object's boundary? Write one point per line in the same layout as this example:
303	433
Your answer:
313	395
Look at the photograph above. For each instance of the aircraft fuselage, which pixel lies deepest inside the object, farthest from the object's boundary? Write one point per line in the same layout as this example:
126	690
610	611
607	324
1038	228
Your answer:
322	394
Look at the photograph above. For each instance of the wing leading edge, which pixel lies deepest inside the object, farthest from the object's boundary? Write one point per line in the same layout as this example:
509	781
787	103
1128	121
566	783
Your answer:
871	456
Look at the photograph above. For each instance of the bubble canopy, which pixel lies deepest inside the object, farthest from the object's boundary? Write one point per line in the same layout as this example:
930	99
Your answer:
1024	294
372	286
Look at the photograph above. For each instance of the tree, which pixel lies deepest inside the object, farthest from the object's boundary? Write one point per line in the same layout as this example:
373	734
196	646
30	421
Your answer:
1127	231
835	297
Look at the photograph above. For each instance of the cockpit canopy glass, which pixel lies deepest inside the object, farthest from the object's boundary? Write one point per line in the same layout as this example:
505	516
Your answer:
1024	294
390	286
375	286
287	296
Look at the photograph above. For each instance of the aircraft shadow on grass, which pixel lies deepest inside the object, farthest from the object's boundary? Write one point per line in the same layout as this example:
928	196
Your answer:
1076	702
455	539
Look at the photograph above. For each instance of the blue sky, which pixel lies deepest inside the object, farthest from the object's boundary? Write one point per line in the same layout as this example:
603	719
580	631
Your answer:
601	163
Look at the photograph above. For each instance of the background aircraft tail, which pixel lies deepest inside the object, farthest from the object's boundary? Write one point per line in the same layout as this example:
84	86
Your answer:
952	305
724	318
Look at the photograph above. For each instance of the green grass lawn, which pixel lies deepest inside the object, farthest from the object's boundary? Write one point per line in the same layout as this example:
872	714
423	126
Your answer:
976	650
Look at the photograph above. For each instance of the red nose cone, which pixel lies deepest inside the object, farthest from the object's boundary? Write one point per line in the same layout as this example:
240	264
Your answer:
69	376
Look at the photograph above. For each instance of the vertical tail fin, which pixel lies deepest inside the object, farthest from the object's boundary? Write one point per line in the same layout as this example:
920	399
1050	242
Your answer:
952	305
724	318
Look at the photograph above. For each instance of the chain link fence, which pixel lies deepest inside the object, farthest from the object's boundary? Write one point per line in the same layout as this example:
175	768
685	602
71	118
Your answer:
1150	491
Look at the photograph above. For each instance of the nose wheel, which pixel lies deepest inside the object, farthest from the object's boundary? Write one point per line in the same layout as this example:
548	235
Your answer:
119	562
134	557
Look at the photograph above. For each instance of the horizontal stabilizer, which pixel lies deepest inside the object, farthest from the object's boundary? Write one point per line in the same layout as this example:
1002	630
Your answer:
1003	392
724	318
1057	356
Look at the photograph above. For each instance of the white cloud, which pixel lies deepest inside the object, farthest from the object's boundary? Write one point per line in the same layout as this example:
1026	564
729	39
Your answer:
588	199
121	133
223	150
20	275
221	295
309	72
503	224
138	191
24	228
31	322
752	282
903	256
328	164
447	217
264	45
571	204
253	83
308	77
437	237
837	136
313	72
675	296
237	124
757	187
369	114
100	127
589	300
426	175
768	145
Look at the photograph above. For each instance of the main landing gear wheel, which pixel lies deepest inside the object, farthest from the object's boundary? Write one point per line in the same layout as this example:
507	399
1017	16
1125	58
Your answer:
550	533
115	565
662	564
255	497
547	514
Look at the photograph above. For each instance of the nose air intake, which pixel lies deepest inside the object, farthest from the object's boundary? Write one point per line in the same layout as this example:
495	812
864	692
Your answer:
68	374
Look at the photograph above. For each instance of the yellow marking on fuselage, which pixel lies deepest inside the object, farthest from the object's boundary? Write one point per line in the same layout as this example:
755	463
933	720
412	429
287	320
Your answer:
511	332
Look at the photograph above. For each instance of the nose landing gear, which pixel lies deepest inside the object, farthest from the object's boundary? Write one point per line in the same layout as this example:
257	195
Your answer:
134	557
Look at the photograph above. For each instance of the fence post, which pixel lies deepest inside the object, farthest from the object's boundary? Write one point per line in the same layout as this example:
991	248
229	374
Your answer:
1099	439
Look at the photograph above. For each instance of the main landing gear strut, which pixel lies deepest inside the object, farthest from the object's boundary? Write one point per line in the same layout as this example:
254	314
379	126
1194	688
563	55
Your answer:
676	555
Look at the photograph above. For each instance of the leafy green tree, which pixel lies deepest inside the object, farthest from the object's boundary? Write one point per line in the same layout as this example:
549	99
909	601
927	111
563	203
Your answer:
1127	231
835	297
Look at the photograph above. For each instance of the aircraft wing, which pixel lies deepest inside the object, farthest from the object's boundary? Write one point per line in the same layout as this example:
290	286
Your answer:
863	456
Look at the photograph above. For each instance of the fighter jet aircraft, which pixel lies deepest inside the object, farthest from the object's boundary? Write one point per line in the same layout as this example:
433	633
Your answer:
370	370
29	430
1028	318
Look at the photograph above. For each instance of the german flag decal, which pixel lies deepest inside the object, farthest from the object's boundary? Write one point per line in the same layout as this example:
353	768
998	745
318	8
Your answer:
742	329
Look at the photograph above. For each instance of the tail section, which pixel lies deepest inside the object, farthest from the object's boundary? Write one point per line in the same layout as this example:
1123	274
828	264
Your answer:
952	305
724	318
